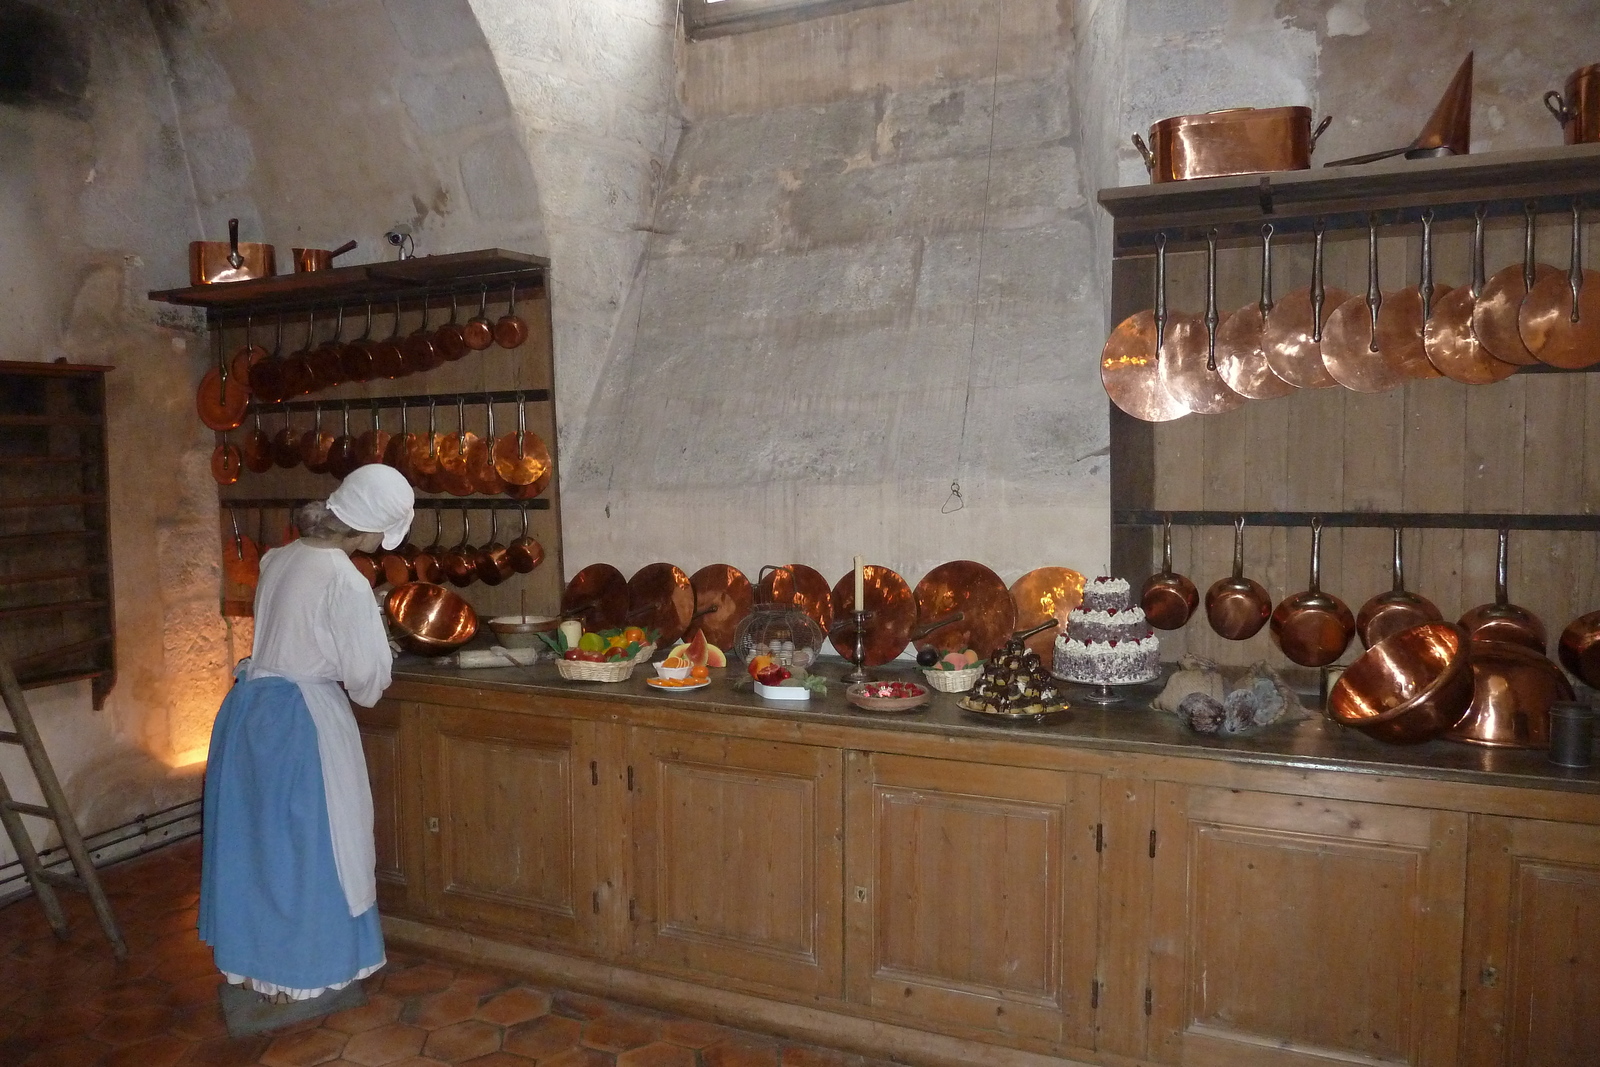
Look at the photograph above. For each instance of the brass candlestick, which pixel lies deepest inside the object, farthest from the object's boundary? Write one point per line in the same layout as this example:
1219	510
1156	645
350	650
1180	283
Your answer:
859	657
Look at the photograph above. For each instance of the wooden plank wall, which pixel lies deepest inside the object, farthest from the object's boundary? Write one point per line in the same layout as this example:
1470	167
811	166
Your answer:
527	367
1530	444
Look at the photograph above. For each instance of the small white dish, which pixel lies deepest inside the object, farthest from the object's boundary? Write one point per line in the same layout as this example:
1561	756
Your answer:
660	683
677	674
783	692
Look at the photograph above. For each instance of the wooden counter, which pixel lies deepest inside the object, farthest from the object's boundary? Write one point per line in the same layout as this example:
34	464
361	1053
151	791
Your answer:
937	889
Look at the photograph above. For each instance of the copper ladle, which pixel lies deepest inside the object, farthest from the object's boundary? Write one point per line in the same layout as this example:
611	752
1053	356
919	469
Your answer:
460	563
1448	339
1560	318
511	331
1291	338
1494	317
427	565
1503	620
1130	363
493	561
1168	599
479	331
1189	367
1389	613
1313	628
1237	607
1240	360
525	553
1354	350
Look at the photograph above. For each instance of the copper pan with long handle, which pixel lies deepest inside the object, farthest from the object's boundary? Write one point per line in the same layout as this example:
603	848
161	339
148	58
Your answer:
1503	620
1237	607
1404	317
1389	613
1168	599
1495	314
1313	628
1130	363
1448	339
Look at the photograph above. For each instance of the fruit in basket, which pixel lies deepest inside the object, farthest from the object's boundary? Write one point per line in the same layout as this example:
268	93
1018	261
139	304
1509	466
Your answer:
758	664
592	642
633	635
957	661
773	675
927	656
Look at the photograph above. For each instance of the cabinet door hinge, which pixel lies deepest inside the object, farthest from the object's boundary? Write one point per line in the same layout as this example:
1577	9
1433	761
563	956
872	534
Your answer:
1099	837
633	910
1094	995
596	901
1152	844
630	778
594	772
1147	1000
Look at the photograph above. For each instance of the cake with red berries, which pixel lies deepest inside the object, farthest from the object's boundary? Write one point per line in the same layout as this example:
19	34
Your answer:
1108	639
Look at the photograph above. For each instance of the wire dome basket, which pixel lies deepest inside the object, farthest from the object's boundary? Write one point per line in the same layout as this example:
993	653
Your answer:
787	634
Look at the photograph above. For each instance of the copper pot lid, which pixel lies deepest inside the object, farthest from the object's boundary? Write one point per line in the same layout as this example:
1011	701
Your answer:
798	586
1560	318
1237	607
1448	339
1580	648
660	598
1168	599
1355	350
522	458
1042	594
975	592
1240	360
1130	363
222	398
226	463
1291	338
1494	317
597	596
1513	688
1404	316
1313	628
722	599
1388	613
1503	620
1188	366
894	613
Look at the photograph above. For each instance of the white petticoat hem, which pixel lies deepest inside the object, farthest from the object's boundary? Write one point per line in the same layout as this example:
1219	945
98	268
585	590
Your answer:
270	989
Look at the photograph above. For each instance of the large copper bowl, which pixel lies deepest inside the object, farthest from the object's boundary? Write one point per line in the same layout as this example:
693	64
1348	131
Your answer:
1580	648
1408	688
429	619
1513	688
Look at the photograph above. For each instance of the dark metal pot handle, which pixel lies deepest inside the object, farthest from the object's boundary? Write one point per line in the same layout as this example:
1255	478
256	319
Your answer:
1557	106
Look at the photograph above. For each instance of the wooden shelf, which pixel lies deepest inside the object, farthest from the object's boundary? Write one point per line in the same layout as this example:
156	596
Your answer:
44	537
1370	520
1398	190
51	576
458	272
46	609
49	420
51	501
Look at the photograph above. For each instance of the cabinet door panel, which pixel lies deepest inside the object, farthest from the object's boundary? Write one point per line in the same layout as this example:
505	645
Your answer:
508	844
972	894
1294	930
737	867
394	801
1533	943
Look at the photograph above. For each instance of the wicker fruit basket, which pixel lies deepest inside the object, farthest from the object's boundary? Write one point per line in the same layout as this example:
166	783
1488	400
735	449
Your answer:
578	670
954	681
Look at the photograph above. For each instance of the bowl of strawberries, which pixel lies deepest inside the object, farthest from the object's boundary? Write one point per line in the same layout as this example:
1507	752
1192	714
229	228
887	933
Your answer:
887	696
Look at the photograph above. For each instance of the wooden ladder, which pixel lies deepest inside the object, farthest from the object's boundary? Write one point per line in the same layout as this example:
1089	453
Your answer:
54	808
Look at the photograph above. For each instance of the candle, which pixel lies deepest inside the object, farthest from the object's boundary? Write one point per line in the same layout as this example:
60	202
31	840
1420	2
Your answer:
861	586
571	630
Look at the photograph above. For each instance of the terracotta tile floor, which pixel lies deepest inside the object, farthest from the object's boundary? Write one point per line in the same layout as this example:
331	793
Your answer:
70	1004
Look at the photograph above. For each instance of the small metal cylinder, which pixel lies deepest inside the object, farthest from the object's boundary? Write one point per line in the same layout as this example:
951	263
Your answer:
1571	733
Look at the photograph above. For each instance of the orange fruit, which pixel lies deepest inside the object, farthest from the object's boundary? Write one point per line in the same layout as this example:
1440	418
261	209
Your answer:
757	664
700	674
632	634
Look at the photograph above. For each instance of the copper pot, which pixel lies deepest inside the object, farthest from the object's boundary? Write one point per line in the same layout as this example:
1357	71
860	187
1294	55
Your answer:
1237	607
1388	613
1513	688
1239	140
430	620
1408	688
525	553
1580	648
233	260
1503	620
1578	107
493	561
1313	628
309	259
1168	599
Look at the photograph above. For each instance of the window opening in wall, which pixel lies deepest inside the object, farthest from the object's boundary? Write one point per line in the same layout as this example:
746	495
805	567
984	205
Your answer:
715	18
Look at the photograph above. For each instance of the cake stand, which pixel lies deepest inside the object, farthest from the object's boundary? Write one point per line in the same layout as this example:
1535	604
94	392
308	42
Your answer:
1105	693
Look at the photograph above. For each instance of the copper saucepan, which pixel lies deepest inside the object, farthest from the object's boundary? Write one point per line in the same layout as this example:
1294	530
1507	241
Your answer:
310	259
1237	607
1389	613
525	553
1578	108
233	260
1513	688
1238	140
461	562
493	561
1313	628
427	564
1503	620
1168	599
1580	648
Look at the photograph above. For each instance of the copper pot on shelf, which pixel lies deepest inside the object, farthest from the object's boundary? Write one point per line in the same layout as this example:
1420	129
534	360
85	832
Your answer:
233	260
1238	140
310	259
1579	648
1577	107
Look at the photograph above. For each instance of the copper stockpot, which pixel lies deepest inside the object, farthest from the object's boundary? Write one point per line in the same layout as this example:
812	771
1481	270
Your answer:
216	262
1408	688
1512	690
430	620
1503	620
1239	140
1580	648
1168	599
1313	628
1237	607
1578	107
1386	614
310	259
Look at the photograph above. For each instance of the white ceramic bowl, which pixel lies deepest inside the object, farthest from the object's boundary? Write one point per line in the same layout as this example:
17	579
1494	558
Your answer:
783	692
675	673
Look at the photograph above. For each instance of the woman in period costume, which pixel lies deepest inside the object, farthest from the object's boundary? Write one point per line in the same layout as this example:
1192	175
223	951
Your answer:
288	893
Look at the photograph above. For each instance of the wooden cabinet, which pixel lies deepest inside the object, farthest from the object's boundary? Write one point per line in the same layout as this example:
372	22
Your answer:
736	858
1532	965
1294	930
390	763
507	822
972	895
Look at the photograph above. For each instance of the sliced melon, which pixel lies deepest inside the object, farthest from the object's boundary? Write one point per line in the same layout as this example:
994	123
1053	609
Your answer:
715	657
697	648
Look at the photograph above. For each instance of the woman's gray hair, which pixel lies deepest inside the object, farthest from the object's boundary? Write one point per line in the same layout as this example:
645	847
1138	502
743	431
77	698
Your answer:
315	520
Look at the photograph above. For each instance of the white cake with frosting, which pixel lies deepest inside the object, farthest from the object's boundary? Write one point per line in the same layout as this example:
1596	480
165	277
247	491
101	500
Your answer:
1108	640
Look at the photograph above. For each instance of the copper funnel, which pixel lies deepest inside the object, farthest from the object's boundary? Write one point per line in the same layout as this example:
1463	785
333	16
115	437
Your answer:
1448	131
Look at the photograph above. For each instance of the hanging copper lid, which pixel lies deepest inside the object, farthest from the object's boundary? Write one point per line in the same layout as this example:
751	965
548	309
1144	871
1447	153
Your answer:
893	614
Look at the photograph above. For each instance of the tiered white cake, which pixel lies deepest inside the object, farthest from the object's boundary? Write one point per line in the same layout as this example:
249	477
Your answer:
1108	640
